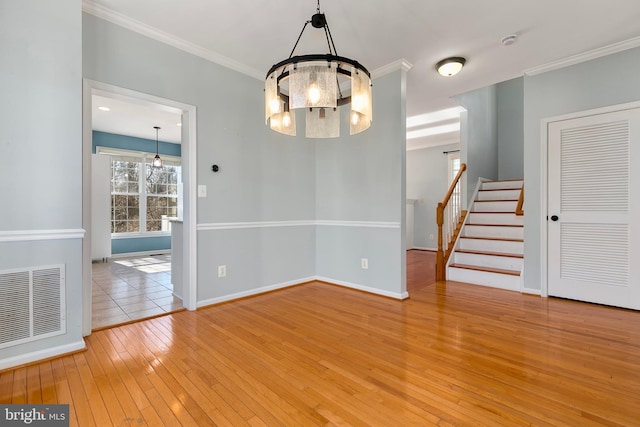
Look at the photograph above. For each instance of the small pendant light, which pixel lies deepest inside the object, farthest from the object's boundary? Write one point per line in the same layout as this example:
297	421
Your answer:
157	161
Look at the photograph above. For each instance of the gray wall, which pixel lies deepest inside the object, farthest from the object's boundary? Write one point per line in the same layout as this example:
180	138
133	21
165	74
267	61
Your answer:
361	178
598	83
428	182
264	176
510	104
259	216
479	135
41	147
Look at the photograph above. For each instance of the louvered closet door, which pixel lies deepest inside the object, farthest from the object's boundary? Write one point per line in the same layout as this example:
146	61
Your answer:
594	209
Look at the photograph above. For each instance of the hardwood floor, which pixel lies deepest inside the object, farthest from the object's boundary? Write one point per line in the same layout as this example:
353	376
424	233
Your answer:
317	354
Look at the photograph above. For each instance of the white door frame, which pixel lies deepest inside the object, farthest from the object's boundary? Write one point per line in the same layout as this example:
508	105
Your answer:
544	168
188	112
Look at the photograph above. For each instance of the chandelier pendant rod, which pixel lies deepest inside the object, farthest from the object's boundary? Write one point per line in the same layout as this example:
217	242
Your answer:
299	37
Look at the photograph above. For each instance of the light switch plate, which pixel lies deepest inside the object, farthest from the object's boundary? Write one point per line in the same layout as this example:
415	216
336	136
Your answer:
202	191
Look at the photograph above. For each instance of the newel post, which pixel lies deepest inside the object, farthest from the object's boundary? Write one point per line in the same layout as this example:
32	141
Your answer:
440	271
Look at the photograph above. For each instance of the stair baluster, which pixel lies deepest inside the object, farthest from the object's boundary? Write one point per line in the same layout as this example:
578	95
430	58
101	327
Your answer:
449	209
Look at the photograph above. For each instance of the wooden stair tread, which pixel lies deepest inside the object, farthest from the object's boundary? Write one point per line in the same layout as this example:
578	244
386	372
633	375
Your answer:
502	239
487	269
492	253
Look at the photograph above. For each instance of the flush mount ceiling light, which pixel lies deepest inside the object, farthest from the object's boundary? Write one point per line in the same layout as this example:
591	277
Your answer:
157	161
319	84
450	66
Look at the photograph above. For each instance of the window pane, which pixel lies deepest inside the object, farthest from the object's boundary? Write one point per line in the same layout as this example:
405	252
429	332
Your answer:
120	226
133	226
154	225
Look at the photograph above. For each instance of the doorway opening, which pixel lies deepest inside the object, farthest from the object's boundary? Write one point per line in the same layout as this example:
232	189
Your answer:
139	218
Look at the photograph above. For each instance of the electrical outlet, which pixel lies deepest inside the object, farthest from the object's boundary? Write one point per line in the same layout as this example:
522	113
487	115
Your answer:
222	271
364	262
430	236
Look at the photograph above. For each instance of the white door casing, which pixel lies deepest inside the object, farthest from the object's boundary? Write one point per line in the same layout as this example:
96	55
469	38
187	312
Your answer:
594	208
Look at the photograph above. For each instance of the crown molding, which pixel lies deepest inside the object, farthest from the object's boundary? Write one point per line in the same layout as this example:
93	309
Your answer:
585	56
95	9
400	64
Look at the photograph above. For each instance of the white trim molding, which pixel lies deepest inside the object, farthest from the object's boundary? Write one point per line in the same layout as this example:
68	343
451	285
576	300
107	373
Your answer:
295	223
23	359
364	224
100	11
400	64
277	286
141	253
254	224
253	292
584	56
31	235
395	295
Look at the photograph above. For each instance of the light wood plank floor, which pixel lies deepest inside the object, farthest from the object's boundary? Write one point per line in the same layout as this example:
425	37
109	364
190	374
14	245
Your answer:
317	354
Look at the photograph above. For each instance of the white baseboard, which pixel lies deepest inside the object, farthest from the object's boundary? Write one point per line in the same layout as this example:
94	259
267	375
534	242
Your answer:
143	253
394	295
264	289
253	292
34	356
420	248
531	291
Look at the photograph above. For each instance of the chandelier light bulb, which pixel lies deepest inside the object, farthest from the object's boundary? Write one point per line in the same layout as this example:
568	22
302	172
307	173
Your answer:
286	119
314	93
355	118
274	105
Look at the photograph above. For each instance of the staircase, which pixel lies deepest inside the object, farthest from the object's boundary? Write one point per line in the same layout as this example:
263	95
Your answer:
491	246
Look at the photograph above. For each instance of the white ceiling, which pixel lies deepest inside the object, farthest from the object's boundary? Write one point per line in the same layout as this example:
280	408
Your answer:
126	117
252	35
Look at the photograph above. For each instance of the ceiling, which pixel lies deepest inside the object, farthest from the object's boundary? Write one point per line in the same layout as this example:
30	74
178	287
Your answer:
251	35
127	117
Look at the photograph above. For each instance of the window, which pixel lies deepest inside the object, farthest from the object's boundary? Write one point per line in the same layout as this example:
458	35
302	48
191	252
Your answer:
454	165
162	196
144	199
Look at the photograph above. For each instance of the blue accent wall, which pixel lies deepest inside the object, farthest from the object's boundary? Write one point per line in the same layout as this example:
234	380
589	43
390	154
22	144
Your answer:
140	244
112	140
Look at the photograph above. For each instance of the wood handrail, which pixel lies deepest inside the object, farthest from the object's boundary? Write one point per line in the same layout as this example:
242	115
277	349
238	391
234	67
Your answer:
519	210
441	255
463	167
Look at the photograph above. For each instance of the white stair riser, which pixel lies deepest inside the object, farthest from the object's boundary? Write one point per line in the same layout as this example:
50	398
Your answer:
498	195
495	218
493	231
495	206
491	261
503	246
484	278
501	185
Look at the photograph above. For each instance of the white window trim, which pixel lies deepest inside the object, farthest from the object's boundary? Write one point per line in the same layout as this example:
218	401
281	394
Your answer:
146	157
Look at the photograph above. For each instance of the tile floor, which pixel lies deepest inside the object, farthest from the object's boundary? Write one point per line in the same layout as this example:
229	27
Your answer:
126	289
